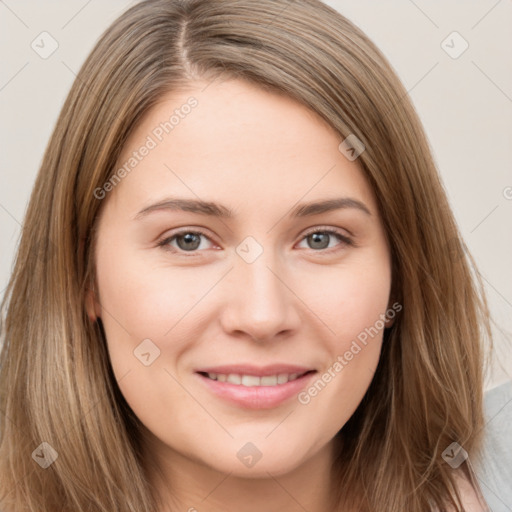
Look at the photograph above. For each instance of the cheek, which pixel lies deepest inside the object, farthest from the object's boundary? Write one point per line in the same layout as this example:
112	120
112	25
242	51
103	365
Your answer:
141	302
139	306
353	308
354	302
144	301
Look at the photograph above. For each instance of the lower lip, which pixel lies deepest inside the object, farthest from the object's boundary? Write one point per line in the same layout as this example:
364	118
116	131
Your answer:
257	397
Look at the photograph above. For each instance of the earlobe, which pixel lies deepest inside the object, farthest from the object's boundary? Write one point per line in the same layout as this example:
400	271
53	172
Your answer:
390	315
92	306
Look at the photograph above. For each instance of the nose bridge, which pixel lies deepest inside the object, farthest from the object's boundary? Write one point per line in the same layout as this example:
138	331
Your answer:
258	301
261	284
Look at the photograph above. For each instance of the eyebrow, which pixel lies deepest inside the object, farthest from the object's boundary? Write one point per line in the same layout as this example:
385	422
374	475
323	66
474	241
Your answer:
217	210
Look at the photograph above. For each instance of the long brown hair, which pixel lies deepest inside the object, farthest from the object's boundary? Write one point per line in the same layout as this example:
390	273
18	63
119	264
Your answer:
56	382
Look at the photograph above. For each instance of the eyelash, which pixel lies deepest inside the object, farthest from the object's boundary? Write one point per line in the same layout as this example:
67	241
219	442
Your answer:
164	243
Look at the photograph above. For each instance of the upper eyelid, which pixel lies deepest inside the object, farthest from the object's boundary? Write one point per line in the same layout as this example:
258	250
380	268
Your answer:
328	228
203	232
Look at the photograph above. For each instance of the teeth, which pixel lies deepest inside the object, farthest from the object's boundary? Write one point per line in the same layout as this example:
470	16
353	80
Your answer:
233	378
252	380
269	380
282	378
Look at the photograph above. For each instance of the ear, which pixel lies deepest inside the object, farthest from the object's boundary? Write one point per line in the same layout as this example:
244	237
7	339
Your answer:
389	322
390	318
92	306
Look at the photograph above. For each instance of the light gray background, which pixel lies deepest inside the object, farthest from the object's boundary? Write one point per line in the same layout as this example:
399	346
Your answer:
465	104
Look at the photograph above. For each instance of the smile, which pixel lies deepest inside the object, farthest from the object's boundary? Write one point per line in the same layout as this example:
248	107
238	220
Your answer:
244	389
253	380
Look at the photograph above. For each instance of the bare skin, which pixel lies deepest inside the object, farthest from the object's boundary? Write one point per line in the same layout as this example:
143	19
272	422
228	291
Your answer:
298	302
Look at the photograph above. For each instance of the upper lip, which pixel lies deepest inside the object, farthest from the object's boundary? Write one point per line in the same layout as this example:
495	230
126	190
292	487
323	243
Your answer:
257	371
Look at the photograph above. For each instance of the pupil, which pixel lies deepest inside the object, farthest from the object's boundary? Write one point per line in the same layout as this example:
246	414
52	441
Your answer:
191	241
317	239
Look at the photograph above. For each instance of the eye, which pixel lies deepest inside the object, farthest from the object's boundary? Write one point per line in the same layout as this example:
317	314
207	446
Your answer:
320	239
189	241
186	240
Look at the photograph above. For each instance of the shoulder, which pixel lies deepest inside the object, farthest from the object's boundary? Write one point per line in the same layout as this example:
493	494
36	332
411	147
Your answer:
494	469
470	499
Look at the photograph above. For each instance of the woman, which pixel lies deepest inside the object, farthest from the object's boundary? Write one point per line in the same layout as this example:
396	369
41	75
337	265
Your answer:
178	336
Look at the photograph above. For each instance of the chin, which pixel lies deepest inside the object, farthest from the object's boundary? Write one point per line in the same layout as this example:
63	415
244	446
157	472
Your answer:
257	460
274	466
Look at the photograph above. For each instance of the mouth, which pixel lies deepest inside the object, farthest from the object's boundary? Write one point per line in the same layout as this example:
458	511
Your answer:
249	381
250	388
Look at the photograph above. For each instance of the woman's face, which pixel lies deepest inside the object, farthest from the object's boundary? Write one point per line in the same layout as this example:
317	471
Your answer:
206	265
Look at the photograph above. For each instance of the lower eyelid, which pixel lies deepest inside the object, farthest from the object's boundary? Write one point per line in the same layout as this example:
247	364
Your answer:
165	243
344	239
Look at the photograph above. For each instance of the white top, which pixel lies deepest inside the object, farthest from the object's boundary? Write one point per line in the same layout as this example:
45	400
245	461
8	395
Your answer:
494	470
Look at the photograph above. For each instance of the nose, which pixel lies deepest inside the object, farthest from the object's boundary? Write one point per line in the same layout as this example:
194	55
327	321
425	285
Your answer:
260	303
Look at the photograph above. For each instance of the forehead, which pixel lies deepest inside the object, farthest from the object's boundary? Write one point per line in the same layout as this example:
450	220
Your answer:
234	141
